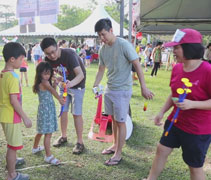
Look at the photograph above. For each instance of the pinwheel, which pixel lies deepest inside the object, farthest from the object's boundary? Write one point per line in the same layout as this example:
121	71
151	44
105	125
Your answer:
182	95
64	89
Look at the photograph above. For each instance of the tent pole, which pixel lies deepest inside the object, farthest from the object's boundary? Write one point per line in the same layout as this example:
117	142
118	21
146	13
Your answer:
130	21
121	18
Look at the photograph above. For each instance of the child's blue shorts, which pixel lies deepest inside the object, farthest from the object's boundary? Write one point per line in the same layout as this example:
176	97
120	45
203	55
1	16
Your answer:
194	147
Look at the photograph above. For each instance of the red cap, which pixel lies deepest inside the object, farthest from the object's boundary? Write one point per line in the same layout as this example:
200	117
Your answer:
184	36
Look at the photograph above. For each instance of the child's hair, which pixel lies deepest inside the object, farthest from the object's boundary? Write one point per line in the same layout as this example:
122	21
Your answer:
208	45
13	49
103	24
41	67
47	42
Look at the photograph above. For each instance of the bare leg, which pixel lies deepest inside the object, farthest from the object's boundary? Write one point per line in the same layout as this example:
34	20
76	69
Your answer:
21	78
26	78
11	160
120	140
78	121
159	161
196	173
64	123
114	130
47	144
37	140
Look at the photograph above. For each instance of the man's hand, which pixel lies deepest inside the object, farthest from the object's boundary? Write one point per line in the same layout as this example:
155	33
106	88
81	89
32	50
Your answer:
147	94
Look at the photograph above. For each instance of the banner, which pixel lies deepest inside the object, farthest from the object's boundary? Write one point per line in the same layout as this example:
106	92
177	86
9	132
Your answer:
48	7
26	8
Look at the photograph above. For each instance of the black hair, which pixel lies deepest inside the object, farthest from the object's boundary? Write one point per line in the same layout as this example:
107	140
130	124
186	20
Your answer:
193	50
13	49
47	42
60	43
41	67
208	45
159	43
103	24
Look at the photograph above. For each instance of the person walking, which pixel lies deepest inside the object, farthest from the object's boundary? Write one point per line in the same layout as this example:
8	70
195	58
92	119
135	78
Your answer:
192	130
156	58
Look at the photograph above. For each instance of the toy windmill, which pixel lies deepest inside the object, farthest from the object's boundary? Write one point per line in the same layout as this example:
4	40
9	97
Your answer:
182	95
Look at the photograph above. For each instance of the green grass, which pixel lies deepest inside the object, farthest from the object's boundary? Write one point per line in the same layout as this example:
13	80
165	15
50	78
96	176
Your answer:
138	151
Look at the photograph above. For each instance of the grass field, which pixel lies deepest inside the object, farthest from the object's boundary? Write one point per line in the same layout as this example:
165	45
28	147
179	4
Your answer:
138	151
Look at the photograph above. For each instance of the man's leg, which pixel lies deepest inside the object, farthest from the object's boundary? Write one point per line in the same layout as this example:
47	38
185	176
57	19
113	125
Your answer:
196	173
78	121
120	140
159	161
79	147
63	124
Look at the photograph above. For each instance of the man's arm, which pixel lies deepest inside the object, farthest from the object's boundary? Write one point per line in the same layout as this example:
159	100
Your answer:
78	78
18	108
146	93
99	75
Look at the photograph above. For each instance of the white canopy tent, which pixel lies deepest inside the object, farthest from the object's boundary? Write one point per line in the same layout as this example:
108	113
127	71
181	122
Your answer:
86	28
165	16
41	30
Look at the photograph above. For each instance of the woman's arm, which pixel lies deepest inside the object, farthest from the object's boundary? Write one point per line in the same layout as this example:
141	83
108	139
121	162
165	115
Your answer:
188	104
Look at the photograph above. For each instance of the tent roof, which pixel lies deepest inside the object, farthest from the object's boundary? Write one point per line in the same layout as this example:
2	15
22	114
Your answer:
86	28
41	30
165	16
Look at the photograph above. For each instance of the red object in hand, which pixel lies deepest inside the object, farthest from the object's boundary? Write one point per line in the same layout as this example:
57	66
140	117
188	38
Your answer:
145	106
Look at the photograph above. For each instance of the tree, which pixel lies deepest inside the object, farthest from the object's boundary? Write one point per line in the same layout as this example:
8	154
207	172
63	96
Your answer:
70	17
113	10
7	17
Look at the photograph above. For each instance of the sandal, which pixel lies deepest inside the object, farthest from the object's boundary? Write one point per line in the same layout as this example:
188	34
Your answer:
60	141
107	151
78	149
52	160
21	176
112	162
38	149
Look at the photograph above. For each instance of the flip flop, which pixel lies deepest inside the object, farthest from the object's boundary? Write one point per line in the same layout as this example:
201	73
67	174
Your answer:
107	151
111	162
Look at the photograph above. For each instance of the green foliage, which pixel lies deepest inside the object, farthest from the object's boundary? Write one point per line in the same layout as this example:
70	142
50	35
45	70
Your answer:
144	41
7	17
114	11
71	16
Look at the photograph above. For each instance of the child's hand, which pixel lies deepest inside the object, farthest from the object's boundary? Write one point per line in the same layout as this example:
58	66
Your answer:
157	119
61	101
27	122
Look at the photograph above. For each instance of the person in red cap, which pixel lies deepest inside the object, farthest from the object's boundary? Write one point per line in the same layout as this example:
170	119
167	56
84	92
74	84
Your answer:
192	131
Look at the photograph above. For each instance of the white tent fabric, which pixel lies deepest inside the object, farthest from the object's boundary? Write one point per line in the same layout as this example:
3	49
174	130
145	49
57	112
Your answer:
41	30
165	16
86	28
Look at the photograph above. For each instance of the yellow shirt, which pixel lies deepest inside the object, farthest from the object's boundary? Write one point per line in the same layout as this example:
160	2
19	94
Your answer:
9	84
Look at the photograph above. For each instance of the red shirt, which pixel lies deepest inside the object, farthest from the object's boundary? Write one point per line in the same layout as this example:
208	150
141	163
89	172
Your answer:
193	121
